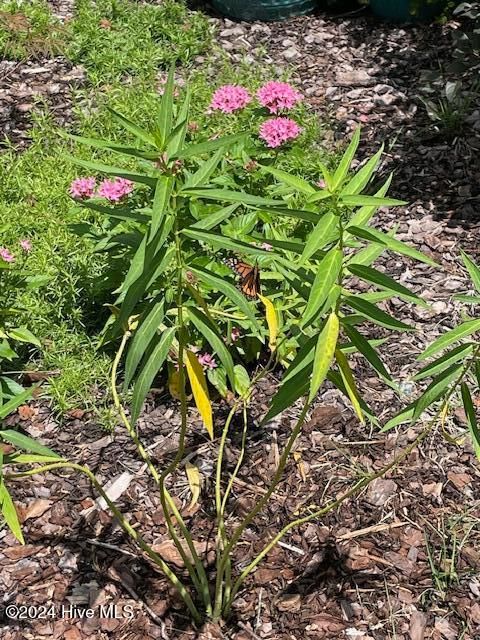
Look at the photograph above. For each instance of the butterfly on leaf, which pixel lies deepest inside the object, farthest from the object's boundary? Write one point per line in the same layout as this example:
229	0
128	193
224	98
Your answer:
249	276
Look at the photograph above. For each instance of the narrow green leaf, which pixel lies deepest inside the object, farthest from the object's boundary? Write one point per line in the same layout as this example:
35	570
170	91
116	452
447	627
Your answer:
319	195
10	406
111	170
473	270
120	213
364	214
467	299
471	418
149	371
327	274
303	360
224	195
376	315
382	280
299	214
370	201
176	139
436	389
206	147
448	358
363	176
9	513
231	292
335	378
214	219
349	383
115	147
22	334
325	232
299	184
368	352
324	353
462	331
26	443
402	417
205	171
392	243
215	339
138	132
161	200
142	338
217	240
344	166
289	391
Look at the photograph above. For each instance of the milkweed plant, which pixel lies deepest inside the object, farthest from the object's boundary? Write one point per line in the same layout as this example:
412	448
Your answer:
177	312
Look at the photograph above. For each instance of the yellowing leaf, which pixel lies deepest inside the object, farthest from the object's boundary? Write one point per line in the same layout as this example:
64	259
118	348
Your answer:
174	383
324	352
198	383
272	322
349	382
193	477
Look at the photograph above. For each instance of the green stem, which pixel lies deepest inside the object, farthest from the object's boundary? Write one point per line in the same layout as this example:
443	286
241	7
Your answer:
126	526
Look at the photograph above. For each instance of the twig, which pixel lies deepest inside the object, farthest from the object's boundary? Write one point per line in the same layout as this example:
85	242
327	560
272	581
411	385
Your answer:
112	547
290	547
251	633
373	529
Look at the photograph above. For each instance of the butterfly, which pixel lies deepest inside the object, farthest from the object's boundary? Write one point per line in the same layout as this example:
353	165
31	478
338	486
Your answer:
249	276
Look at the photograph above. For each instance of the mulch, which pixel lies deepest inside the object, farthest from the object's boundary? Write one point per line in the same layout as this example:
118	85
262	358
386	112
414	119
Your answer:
363	572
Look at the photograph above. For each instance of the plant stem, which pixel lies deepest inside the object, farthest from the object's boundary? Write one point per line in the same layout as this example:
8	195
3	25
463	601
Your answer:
126	526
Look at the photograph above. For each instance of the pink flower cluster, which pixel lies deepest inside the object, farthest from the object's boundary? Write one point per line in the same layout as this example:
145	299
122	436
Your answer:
277	96
112	190
230	98
207	361
277	131
7	256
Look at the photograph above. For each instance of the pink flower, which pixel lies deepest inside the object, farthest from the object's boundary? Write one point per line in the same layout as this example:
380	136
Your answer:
277	96
207	361
266	247
322	184
83	187
235	334
276	131
6	256
230	98
115	190
26	245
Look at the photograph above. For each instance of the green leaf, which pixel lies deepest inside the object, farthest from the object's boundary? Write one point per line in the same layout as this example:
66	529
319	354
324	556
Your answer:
288	393
402	417
363	176
473	270
205	171
28	458
382	280
214	219
325	232
138	132
327	274
436	389
370	201
111	170
217	240
462	331
376	315
161	199
392	243
120	213
299	184
364	214
231	292
214	338
26	443
344	166
299	214
368	352
176	139
335	378
149	371
321	194
349	383
242	380
448	358
117	148
471	418
165	111
207	147
142	338
10	406
224	195
9	512
22	334
324	353
303	360
467	299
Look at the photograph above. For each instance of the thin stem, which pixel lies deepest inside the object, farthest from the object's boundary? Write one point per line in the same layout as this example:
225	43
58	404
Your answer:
126	526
